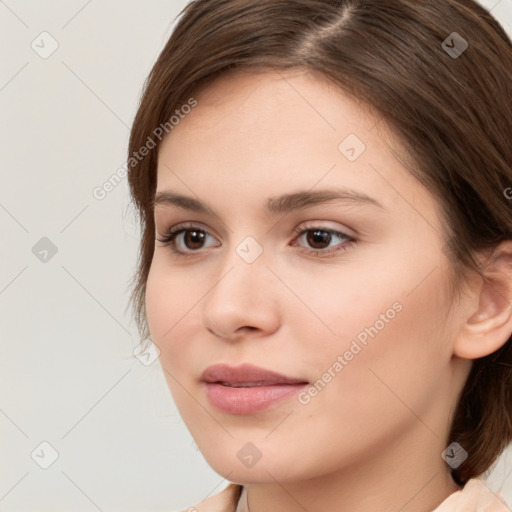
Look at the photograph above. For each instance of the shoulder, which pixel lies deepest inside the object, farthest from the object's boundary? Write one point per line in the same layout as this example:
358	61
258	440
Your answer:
224	501
474	497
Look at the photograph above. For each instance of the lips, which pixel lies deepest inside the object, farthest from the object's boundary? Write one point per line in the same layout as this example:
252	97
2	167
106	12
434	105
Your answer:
247	389
245	375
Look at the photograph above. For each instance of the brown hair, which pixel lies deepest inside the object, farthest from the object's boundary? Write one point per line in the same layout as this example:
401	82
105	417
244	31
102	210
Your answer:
452	114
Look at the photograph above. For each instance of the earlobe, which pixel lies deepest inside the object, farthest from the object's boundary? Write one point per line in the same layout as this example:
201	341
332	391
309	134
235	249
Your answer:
489	327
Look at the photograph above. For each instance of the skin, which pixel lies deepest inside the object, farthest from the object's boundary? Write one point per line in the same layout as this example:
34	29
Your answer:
381	423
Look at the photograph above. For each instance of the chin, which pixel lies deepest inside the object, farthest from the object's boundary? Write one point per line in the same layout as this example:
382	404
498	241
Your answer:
243	463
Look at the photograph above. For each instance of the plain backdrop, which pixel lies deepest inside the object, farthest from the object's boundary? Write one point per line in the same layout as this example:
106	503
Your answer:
85	424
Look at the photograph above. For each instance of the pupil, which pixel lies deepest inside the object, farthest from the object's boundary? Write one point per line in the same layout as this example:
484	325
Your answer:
318	237
194	239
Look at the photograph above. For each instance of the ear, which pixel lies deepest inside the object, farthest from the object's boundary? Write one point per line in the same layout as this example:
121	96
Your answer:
489	326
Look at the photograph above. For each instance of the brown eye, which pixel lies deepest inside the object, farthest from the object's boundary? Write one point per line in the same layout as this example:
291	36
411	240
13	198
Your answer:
322	241
184	240
318	239
194	239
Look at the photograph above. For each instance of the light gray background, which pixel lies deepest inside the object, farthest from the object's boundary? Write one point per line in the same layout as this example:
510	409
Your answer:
68	375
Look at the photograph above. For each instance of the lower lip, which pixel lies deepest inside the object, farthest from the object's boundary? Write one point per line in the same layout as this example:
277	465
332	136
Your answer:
249	400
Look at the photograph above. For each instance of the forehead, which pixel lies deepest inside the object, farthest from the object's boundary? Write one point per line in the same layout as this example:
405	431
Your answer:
279	131
276	116
246	95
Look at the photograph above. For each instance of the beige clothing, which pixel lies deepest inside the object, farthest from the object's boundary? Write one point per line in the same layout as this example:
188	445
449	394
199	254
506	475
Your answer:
474	497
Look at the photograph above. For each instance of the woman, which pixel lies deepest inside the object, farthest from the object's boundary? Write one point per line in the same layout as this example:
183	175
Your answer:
326	254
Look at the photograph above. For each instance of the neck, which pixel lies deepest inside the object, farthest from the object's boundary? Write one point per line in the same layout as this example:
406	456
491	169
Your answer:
403	477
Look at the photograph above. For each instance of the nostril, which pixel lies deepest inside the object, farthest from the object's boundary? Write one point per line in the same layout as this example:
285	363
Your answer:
249	328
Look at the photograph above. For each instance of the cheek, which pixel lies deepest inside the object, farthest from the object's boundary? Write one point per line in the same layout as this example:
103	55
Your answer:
171	307
375	335
170	301
389	351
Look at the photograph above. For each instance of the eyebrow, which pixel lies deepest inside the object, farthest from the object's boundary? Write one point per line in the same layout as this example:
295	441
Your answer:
276	205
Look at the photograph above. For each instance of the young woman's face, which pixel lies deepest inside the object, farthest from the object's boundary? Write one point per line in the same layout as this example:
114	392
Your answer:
302	247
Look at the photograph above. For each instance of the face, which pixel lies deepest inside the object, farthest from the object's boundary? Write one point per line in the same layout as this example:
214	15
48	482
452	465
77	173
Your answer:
291	239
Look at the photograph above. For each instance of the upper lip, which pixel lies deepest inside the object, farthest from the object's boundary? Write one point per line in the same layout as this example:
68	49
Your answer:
246	374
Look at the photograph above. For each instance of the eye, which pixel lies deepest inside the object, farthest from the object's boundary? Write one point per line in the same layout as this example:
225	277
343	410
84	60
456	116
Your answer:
187	239
319	240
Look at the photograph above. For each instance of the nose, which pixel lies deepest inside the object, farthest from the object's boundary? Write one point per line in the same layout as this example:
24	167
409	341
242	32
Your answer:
243	301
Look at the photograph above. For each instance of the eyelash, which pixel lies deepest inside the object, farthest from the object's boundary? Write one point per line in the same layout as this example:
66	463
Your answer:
171	234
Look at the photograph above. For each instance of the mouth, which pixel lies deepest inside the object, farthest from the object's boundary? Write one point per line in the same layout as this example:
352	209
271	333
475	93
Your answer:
248	384
248	389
